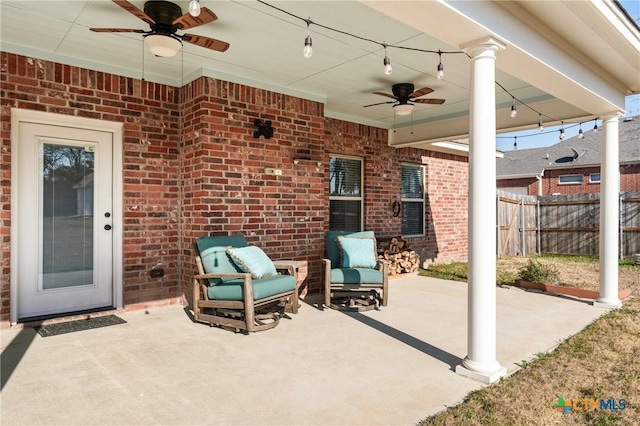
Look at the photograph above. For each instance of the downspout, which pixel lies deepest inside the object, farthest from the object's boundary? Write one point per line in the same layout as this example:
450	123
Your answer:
539	178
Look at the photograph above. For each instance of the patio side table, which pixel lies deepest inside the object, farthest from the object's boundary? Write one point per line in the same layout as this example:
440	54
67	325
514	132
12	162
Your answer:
301	270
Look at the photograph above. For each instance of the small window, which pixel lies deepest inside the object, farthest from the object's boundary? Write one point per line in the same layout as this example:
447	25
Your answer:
570	179
345	194
594	178
412	200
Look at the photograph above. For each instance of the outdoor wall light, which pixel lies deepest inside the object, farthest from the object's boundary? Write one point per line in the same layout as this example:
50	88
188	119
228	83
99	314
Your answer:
263	129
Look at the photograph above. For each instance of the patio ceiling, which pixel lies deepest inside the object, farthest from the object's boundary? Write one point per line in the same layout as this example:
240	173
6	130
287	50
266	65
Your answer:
569	60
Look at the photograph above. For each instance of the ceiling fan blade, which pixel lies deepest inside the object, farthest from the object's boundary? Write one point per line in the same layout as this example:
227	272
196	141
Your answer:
206	42
421	92
429	101
379	103
187	21
134	11
384	94
116	30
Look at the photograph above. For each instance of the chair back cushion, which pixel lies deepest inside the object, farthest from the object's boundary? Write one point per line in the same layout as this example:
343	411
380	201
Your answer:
214	256
331	245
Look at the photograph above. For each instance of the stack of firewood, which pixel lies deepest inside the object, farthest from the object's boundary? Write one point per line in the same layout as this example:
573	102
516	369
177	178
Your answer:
399	255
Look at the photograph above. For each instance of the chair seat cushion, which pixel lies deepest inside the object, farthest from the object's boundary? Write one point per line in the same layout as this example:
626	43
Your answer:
356	276
262	288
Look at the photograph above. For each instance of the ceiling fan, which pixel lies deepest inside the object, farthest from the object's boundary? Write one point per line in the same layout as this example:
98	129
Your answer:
405	97
165	19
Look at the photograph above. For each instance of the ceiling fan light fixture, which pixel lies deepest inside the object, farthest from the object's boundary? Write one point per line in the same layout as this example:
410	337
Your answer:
403	109
163	45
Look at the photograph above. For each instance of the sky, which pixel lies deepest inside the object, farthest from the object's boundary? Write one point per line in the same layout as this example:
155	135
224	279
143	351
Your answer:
551	135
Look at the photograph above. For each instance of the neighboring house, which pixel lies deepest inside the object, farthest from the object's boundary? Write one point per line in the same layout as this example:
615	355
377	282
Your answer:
571	166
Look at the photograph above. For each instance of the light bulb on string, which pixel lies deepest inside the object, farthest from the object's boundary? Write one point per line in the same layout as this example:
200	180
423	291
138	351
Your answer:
562	131
307	52
387	62
595	125
515	142
194	8
580	134
440	73
540	126
514	113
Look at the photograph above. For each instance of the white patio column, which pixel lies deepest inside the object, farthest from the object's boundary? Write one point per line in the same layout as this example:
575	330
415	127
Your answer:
609	212
481	363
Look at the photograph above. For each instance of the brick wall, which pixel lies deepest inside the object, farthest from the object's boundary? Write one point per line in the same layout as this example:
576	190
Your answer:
150	115
224	185
192	167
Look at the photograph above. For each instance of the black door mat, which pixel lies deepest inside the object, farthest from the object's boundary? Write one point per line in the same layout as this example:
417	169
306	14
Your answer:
73	326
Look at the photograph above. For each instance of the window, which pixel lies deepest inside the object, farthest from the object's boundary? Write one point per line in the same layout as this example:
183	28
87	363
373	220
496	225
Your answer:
345	194
570	179
412	200
594	178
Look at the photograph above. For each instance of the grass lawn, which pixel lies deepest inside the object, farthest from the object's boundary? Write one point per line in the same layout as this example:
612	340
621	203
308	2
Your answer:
602	361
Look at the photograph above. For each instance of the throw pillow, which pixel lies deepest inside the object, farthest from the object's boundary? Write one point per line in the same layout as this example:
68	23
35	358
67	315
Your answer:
357	252
252	260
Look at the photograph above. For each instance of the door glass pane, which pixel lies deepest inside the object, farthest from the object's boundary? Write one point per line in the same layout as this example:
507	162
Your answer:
67	216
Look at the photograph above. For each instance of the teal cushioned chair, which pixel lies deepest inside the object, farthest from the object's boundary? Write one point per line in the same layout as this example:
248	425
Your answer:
225	295
345	279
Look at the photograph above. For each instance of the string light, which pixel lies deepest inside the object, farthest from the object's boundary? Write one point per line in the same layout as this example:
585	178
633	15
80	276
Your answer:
194	8
580	134
307	52
595	125
515	142
562	130
387	63
540	126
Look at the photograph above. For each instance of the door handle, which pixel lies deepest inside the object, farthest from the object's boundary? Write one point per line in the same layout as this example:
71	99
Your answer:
107	227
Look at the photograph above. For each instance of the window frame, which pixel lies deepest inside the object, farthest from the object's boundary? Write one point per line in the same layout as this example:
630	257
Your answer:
560	182
591	180
348	198
404	200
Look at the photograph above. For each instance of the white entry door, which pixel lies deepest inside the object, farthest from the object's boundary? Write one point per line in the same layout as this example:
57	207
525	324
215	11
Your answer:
65	219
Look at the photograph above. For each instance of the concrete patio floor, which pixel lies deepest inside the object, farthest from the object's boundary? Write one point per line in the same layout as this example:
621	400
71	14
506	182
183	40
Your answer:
393	366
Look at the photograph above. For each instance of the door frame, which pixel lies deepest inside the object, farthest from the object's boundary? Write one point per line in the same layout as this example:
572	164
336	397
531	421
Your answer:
38	117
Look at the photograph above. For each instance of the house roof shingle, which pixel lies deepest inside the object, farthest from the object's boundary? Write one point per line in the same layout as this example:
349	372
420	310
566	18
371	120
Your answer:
571	153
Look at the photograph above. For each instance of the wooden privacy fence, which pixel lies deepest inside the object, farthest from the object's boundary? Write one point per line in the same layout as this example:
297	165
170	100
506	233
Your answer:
562	224
517	224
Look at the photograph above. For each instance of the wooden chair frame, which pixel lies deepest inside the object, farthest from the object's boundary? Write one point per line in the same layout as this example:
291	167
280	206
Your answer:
331	288
247	314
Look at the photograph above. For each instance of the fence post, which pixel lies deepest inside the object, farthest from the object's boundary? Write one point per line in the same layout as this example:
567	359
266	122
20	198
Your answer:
498	224
538	225
523	232
621	223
